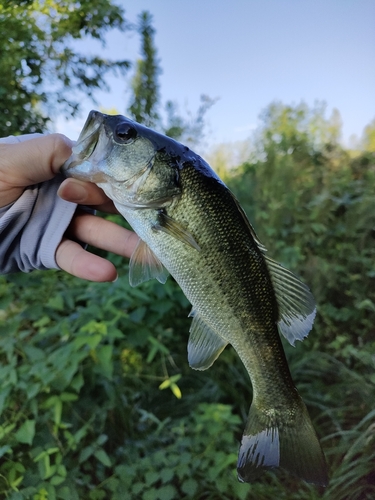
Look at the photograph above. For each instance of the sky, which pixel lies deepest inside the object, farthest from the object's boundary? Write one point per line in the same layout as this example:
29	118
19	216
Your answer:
249	53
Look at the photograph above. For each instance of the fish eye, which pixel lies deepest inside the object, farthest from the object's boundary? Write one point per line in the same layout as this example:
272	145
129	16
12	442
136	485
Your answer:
125	133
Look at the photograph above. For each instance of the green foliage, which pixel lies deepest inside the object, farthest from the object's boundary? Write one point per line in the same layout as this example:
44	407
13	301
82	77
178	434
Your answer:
97	400
369	137
40	72
313	207
83	410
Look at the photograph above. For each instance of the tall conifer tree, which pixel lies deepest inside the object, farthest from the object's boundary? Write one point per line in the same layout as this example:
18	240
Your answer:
145	86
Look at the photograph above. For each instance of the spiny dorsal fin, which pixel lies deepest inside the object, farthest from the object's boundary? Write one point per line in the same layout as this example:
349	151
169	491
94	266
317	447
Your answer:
260	245
144	265
174	228
296	304
205	345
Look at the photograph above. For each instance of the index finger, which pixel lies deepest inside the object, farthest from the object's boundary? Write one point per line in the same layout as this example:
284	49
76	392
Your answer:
85	193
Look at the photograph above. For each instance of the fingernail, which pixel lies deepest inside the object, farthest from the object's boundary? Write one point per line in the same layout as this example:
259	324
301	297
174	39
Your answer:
74	193
114	281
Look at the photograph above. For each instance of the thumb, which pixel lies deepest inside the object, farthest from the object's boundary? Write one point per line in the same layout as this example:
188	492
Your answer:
29	162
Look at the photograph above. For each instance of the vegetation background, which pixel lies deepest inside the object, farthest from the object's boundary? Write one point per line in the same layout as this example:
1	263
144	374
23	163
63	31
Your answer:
96	398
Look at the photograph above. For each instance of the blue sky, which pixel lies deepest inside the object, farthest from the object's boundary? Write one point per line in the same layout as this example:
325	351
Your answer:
248	53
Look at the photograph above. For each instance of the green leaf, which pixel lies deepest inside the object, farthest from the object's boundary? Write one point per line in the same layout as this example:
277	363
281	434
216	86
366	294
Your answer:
156	347
26	432
171	383
189	486
103	438
49	451
4	449
95	327
56	479
6	430
43	321
176	391
34	353
90	340
151	477
165	384
77	382
137	488
102	456
85	453
105	361
150	494
167	492
68	396
166	474
56	302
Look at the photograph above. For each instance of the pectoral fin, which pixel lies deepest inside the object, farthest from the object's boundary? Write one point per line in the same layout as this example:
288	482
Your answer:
175	229
144	265
296	304
205	345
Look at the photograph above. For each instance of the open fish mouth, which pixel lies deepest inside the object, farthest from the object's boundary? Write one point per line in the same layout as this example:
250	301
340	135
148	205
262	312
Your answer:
87	144
89	136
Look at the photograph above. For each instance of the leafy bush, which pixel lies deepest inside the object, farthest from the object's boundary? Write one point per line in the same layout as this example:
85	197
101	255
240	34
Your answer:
313	206
97	400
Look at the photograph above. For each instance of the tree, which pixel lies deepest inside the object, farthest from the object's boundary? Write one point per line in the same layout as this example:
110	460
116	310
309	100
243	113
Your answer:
143	107
189	129
41	73
368	139
312	205
145	100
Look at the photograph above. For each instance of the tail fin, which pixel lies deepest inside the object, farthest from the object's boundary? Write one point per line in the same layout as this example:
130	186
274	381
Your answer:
291	443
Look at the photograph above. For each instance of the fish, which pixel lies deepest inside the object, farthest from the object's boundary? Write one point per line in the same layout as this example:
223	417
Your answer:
192	227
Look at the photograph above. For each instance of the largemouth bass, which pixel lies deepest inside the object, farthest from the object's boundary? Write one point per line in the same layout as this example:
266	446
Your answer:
190	224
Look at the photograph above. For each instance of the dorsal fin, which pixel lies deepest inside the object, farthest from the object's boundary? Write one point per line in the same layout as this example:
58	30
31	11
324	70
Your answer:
205	345
144	265
260	245
296	303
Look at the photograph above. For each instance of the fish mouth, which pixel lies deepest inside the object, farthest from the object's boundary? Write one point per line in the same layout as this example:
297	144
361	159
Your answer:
89	136
84	148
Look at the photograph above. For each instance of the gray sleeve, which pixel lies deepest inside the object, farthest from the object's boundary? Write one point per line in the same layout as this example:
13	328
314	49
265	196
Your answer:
32	227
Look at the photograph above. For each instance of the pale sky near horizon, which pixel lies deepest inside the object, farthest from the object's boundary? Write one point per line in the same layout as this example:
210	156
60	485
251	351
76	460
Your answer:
248	53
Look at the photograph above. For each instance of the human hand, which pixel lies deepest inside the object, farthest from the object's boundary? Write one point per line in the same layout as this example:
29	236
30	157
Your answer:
93	230
39	159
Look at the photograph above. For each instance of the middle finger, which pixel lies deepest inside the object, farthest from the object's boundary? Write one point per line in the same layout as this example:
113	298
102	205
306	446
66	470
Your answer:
103	234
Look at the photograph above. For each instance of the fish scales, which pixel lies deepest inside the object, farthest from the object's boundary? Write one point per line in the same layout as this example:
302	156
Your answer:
236	295
189	222
238	285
